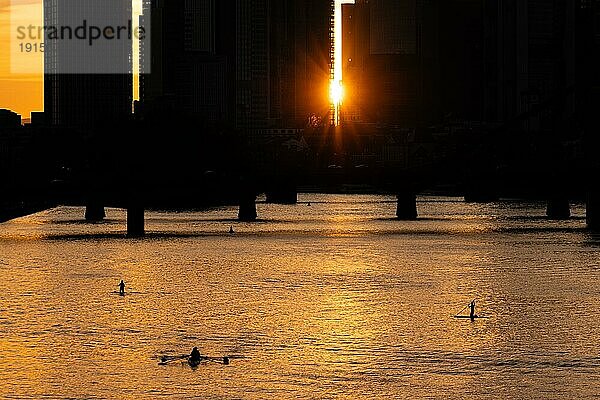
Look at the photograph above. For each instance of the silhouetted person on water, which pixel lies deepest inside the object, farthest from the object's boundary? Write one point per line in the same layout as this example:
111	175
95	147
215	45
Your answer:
195	355
122	288
231	231
472	307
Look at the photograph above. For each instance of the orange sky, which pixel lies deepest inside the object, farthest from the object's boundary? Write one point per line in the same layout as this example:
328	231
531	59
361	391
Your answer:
22	93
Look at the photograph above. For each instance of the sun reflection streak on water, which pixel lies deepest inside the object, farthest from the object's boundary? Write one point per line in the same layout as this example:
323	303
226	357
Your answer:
333	300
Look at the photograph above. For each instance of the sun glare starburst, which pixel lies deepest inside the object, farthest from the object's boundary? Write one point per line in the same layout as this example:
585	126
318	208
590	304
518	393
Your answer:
336	92
336	89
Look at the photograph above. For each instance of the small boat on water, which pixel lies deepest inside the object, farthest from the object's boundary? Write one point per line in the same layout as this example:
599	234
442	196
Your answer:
219	360
194	363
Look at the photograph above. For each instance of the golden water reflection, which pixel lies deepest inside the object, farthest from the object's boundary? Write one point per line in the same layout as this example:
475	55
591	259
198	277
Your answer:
319	302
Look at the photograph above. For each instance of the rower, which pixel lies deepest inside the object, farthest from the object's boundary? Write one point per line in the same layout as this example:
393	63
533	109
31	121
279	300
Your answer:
231	231
195	355
122	288
472	307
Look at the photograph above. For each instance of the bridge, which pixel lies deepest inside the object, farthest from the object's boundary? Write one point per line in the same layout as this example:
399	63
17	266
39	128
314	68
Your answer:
129	183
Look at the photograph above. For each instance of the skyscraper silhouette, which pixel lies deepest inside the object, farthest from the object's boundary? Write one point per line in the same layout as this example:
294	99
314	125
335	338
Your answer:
283	55
394	70
529	61
252	64
88	82
85	84
191	55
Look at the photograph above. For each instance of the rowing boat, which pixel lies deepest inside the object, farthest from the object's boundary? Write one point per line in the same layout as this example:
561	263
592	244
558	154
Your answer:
186	359
194	363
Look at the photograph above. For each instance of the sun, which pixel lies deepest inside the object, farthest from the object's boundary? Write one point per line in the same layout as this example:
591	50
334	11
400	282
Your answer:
336	92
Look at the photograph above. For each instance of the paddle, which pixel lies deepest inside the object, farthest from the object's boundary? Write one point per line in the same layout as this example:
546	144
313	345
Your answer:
219	360
467	306
164	360
468	316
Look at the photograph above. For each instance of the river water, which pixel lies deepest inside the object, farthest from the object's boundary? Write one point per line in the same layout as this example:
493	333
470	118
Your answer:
332	300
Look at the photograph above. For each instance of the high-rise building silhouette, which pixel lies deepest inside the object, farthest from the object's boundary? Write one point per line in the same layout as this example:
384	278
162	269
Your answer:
191	55
393	27
355	50
461	61
529	61
252	73
87	84
391	61
253	64
587	80
314	56
283	51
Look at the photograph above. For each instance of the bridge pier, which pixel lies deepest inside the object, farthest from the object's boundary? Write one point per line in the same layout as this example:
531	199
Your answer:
558	208
94	211
135	221
247	210
407	207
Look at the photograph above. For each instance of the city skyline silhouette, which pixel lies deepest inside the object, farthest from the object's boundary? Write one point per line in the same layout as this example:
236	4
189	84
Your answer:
288	199
495	101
